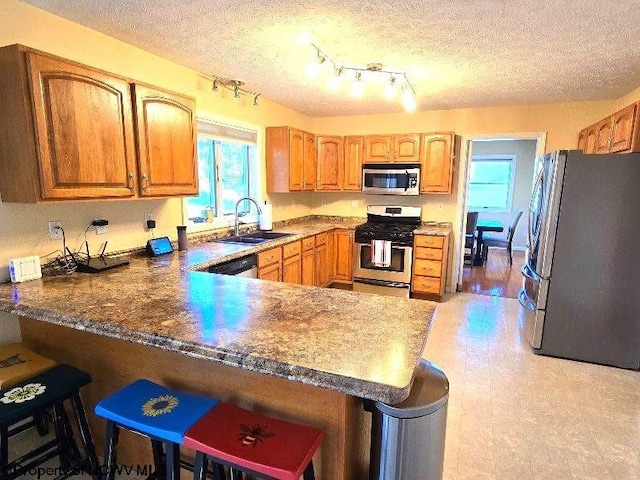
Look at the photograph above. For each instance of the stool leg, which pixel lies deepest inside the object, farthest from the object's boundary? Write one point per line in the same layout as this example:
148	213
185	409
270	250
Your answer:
4	451
85	433
111	450
235	474
200	467
41	423
308	472
218	472
61	437
173	460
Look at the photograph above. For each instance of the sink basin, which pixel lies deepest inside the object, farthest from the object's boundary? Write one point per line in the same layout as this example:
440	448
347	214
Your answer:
255	237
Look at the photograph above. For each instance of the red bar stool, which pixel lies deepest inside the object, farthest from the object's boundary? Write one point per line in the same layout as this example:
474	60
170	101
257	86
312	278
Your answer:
253	443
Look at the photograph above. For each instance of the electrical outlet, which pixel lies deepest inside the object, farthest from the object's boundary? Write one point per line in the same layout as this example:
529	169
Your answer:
54	230
323	203
101	229
147	216
440	207
355	203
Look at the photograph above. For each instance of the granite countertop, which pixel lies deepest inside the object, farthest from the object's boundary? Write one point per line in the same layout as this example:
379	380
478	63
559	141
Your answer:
359	344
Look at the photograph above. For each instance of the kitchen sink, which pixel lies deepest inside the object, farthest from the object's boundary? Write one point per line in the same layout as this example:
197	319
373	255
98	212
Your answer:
254	237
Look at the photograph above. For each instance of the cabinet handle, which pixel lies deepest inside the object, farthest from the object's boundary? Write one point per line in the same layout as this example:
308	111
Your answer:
131	183
145	179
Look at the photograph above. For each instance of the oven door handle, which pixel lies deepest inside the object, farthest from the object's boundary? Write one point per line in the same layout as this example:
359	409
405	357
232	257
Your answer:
381	283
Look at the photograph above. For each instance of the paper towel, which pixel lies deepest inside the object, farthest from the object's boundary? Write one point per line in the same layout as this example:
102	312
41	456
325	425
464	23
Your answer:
266	217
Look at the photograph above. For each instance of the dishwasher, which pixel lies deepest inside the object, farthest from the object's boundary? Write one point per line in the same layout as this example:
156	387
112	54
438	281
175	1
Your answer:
242	267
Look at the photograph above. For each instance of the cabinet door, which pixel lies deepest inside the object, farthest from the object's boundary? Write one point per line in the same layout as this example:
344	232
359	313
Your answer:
166	129
436	163
591	140
623	129
309	267
270	272
582	140
309	162
344	255
604	130
406	148
353	153
292	269
321	265
330	159
377	149
296	159
85	135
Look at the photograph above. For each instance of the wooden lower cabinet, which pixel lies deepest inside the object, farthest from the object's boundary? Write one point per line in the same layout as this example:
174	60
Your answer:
270	272
270	265
343	256
322	267
309	267
430	256
292	263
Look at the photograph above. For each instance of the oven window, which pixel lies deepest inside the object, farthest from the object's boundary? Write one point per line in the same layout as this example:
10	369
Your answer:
397	259
386	180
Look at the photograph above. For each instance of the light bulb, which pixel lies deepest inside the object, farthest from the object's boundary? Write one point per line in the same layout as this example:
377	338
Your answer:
409	100
357	87
314	66
334	81
391	90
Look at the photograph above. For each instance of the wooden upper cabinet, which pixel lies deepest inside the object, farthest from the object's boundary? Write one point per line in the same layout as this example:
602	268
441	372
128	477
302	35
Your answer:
590	146
296	146
330	163
406	148
309	162
166	129
291	160
353	155
604	129
84	130
582	140
436	163
378	148
622	135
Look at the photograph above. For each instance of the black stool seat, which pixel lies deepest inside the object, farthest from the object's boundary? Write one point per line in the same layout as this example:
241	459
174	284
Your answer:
47	390
28	396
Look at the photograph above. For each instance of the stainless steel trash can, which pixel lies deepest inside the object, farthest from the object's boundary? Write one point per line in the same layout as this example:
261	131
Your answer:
407	439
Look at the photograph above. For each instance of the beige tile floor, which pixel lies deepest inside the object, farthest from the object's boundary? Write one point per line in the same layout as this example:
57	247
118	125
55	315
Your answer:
516	415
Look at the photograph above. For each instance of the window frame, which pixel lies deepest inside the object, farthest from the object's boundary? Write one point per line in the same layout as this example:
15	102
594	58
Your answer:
510	185
255	175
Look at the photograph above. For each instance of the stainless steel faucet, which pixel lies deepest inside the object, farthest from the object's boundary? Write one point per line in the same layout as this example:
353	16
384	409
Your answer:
236	230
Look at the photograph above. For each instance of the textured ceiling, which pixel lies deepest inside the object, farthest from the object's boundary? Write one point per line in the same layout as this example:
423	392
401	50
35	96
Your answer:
460	53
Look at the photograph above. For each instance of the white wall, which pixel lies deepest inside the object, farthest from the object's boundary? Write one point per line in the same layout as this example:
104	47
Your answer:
525	152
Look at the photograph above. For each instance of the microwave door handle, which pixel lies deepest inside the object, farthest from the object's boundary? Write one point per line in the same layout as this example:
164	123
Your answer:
406	186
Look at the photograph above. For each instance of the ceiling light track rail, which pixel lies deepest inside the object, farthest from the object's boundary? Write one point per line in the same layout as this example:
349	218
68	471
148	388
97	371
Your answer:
235	86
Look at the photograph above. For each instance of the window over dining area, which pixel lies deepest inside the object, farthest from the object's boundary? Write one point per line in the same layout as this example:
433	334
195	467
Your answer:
227	171
491	183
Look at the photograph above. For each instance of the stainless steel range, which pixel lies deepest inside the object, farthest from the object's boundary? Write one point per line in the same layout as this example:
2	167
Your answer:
383	250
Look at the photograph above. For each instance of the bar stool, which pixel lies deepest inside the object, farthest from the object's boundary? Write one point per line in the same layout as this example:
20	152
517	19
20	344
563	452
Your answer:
35	394
253	443
157	412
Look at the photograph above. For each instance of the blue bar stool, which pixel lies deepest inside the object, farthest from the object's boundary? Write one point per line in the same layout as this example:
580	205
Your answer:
36	394
160	413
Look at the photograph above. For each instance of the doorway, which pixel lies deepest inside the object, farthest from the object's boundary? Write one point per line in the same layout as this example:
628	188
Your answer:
496	176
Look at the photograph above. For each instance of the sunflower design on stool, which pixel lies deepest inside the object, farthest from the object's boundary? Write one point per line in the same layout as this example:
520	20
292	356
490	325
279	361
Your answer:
23	394
159	405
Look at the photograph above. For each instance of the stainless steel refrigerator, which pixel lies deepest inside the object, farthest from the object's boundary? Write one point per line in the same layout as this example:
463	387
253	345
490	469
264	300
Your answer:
581	289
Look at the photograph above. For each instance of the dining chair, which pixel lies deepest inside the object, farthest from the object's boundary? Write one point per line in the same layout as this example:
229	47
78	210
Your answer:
470	237
500	242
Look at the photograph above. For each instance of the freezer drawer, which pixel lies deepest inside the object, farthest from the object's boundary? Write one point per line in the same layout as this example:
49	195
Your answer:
531	320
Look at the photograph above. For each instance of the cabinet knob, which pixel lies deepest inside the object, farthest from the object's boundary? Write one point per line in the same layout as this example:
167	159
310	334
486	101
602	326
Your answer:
145	179
130	181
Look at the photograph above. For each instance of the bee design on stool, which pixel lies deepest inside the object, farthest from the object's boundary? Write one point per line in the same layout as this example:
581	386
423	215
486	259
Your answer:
253	435
11	361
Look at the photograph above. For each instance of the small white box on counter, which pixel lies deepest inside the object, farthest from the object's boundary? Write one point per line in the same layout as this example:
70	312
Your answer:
24	269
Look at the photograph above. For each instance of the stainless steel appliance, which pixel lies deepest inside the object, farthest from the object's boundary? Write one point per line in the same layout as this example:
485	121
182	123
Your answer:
391	223
391	179
241	267
580	297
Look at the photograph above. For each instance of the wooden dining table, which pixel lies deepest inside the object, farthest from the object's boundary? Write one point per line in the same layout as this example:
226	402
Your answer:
481	227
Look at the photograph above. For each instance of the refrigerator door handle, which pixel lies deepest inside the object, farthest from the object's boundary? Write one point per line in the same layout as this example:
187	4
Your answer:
530	273
531	233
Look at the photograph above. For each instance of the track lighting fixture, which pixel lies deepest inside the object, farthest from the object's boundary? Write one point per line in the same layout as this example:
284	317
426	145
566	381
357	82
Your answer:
235	86
397	78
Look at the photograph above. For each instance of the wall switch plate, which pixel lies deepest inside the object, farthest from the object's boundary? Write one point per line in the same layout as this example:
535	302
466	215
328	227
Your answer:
54	230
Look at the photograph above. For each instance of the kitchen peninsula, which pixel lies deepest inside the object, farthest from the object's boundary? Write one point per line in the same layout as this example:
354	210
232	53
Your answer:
301	353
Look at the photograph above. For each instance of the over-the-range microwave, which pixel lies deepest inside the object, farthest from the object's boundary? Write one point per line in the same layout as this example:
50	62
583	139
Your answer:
391	178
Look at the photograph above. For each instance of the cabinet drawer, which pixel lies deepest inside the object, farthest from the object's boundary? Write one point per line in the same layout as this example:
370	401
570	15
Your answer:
426	284
270	256
430	241
429	268
291	249
321	239
429	253
308	243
